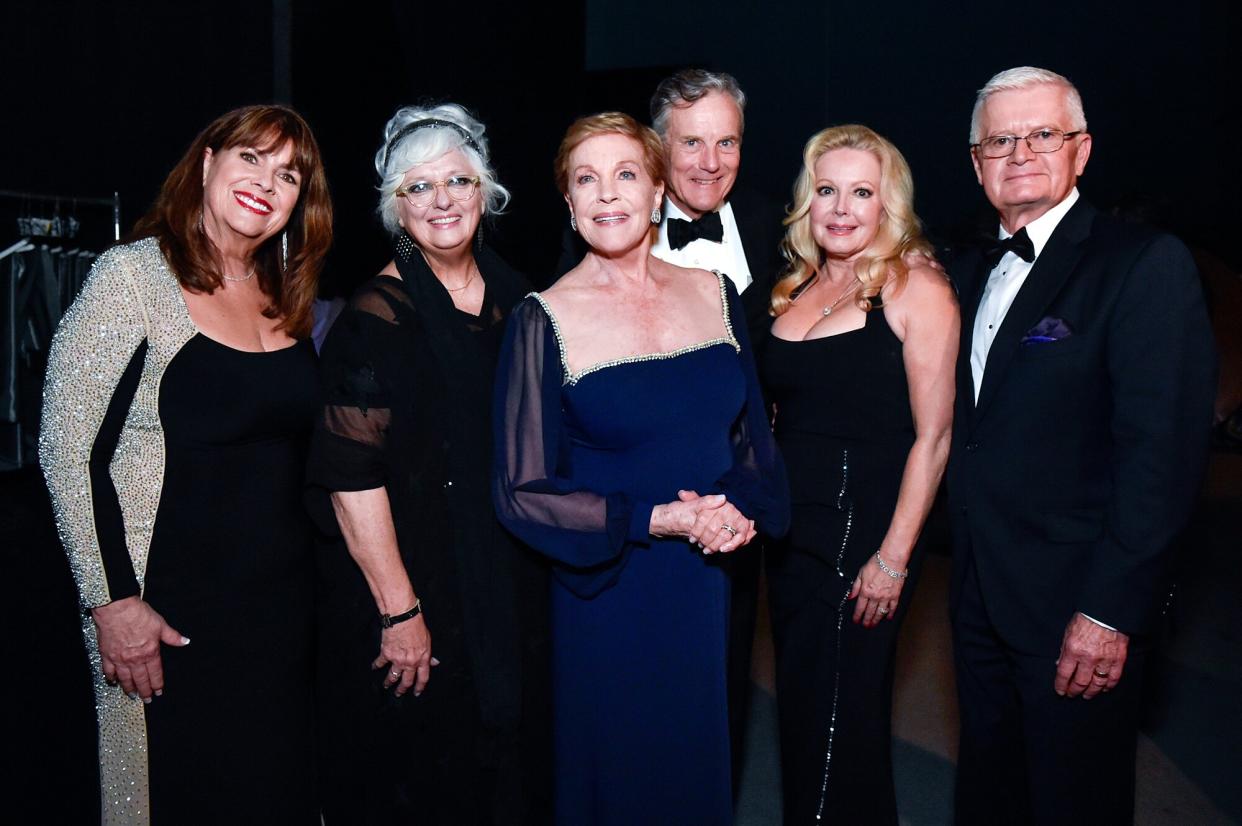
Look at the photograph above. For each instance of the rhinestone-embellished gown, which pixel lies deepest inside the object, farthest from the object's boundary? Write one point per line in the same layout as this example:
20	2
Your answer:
175	467
639	623
844	427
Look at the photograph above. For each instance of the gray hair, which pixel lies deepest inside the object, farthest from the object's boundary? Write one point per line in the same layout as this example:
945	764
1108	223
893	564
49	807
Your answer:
426	144
1024	77
685	88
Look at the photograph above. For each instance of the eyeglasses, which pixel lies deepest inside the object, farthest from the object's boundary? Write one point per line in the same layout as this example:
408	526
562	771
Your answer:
1041	140
423	193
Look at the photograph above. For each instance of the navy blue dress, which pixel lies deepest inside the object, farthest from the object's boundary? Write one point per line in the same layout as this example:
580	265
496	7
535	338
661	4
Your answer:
639	624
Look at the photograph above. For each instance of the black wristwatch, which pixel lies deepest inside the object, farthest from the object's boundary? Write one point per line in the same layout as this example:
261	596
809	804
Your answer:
389	621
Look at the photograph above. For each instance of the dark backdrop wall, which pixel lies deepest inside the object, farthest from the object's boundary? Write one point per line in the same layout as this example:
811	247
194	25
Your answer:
101	96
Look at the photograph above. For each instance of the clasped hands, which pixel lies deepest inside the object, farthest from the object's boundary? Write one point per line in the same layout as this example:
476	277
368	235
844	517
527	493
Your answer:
712	522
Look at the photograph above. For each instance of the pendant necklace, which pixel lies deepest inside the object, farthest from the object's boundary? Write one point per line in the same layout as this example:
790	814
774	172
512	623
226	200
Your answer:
849	289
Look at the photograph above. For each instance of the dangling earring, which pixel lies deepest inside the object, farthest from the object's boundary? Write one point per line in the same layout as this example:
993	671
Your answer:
655	215
284	251
573	222
478	238
405	246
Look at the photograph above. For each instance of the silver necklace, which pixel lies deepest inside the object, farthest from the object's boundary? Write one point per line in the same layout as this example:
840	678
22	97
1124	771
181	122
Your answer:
237	279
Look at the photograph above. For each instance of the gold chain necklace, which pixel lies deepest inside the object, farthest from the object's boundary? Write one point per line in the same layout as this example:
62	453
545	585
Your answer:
850	288
473	272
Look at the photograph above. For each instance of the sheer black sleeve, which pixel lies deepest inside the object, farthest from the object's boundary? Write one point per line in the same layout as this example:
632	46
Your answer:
349	447
589	532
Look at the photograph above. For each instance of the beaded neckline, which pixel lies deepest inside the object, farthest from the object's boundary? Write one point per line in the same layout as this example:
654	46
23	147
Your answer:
571	378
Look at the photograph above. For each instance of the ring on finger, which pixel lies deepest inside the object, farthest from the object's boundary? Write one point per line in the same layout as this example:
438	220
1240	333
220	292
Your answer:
732	530
881	611
1103	675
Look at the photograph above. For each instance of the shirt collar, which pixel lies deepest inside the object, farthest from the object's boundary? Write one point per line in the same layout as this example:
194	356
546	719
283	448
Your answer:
1041	229
672	211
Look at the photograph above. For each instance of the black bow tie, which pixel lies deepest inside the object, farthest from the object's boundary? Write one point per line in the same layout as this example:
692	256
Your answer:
1019	244
707	227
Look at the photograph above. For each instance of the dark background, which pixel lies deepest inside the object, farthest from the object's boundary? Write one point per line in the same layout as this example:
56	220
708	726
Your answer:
105	96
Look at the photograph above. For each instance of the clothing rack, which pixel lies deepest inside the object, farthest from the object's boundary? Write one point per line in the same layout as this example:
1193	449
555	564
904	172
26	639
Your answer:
114	202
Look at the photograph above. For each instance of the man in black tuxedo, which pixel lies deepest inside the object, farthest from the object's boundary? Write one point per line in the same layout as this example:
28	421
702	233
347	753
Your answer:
709	224
1084	403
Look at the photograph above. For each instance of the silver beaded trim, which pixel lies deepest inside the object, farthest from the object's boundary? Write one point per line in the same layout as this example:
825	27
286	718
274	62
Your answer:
571	378
130	295
836	680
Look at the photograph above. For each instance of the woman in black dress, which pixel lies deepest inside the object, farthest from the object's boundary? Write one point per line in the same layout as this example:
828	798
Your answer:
179	398
415	563
859	366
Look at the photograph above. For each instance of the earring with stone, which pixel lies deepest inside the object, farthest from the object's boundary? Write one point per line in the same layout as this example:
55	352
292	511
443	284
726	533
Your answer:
655	215
573	222
284	251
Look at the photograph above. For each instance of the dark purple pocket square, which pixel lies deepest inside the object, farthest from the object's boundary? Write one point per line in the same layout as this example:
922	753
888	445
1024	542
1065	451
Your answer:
1048	329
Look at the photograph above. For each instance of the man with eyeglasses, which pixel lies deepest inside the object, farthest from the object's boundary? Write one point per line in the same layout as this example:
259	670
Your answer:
1084	404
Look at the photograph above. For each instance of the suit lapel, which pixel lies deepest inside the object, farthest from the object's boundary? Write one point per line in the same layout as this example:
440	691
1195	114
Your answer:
971	292
1052	269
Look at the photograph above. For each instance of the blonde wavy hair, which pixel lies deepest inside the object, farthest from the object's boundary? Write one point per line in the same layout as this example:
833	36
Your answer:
900	231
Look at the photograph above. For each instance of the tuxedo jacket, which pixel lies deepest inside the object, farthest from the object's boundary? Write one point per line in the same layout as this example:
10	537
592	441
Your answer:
758	224
1070	477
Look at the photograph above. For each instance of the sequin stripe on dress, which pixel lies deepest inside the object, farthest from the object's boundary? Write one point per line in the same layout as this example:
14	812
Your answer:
836	674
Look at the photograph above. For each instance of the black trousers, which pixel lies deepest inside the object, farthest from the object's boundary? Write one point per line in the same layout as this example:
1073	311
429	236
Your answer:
834	683
1028	756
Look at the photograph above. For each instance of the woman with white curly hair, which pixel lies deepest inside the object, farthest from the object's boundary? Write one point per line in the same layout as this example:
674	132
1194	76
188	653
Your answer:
416	572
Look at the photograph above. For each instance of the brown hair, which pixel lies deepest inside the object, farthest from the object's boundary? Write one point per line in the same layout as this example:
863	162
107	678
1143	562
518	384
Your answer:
609	123
175	219
900	231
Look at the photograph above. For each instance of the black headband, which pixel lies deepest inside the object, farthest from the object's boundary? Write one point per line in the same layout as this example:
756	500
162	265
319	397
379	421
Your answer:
429	123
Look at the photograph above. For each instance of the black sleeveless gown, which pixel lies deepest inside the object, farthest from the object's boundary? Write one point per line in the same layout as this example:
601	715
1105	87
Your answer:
844	427
231	567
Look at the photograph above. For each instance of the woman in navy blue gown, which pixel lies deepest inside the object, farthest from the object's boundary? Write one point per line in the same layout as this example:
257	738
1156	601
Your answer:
632	447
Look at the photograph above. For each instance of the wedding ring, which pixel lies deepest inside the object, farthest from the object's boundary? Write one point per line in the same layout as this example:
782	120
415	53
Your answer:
732	530
881	610
1102	675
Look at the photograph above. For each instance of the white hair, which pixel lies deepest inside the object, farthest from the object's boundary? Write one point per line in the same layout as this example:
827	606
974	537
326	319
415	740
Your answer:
392	162
1024	77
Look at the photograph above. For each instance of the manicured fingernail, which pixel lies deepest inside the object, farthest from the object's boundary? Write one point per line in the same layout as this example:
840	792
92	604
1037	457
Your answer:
185	640
146	701
159	693
133	695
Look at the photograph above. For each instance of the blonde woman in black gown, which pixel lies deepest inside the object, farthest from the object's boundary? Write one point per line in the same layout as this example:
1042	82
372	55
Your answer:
859	365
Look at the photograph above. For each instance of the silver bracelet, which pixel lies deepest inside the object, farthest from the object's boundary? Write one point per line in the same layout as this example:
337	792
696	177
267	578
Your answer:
895	574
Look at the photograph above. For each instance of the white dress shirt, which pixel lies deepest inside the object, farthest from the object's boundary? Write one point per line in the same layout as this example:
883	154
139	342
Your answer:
727	257
1004	282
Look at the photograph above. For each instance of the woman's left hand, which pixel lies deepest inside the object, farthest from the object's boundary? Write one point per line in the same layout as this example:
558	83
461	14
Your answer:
877	594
